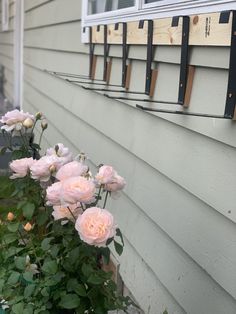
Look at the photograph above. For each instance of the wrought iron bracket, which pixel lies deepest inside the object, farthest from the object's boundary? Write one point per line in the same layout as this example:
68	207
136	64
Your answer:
231	89
149	58
184	59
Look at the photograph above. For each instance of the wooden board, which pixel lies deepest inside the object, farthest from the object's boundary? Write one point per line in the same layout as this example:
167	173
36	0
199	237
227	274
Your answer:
205	30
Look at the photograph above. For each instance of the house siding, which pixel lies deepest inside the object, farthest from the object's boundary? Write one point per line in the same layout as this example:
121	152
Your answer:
7	53
177	212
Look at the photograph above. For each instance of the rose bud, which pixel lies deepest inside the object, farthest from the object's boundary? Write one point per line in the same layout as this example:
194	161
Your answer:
28	227
38	115
52	169
28	123
44	125
10	216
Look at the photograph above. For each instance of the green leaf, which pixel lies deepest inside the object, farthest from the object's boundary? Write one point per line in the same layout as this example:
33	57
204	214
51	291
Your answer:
95	279
13	227
42	218
80	290
74	285
87	269
28	210
29	309
165	312
13	251
45	245
10	238
69	301
29	290
14	277
118	248
109	241
50	267
34	145
20	262
28	276
20	204
18	308
71	284
2	284
45	292
54	250
119	234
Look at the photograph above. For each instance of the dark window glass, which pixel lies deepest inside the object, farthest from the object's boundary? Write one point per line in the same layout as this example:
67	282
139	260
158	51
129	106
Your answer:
125	4
101	6
150	1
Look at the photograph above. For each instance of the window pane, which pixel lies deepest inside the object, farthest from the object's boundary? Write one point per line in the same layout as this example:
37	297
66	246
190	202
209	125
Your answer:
150	1
101	6
125	4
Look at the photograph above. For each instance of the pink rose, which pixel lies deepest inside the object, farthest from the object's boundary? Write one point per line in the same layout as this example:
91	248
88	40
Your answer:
13	120
53	194
21	167
62	152
43	168
117	184
95	226
78	189
105	175
60	212
72	169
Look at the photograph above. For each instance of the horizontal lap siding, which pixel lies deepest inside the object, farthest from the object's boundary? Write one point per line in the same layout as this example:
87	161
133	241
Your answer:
180	171
6	54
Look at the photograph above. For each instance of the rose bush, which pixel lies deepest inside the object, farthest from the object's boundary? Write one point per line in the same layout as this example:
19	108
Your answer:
55	232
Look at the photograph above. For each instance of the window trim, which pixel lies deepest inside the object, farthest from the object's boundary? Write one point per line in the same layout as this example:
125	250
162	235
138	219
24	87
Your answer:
146	11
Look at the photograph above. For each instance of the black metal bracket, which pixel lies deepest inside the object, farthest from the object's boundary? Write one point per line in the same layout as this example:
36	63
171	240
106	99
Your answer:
149	59
106	53
183	113
91	51
231	89
183	76
124	51
112	90
142	100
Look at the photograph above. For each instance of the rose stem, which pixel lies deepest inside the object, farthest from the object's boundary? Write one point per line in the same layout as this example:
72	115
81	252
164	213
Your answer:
71	213
105	201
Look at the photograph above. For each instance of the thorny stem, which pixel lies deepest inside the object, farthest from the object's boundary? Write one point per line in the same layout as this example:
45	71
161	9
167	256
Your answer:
71	213
105	201
33	127
81	204
99	193
40	139
34	251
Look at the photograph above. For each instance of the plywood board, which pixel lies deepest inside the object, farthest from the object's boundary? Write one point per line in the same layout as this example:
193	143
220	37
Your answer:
205	30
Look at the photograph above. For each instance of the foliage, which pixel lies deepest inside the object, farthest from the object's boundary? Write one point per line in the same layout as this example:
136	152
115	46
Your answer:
45	267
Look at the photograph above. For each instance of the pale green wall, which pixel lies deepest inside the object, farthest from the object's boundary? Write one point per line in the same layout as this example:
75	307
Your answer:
7	52
178	210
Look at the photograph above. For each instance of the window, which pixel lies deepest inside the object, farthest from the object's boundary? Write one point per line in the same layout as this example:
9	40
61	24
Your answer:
5	15
112	11
101	6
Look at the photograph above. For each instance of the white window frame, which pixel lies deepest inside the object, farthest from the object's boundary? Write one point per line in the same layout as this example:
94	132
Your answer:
109	14
5	15
162	9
